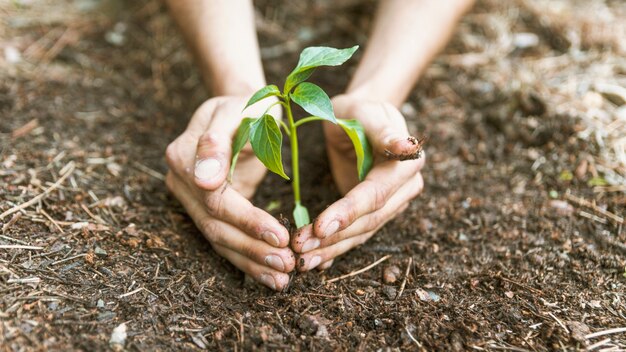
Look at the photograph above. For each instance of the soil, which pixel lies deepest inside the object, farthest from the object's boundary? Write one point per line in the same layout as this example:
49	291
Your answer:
504	252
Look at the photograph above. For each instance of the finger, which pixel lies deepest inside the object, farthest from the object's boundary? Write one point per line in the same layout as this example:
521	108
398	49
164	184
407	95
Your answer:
231	207
212	159
312	259
275	280
304	240
221	233
370	222
326	265
368	196
386	128
214	149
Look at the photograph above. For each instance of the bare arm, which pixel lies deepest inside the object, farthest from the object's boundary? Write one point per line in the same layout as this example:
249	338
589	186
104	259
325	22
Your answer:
222	36
407	34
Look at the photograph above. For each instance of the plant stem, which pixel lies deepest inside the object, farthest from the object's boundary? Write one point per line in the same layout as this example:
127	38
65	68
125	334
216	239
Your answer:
308	119
293	138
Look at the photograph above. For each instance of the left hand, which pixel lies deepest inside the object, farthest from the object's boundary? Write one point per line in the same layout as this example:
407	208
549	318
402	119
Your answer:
381	196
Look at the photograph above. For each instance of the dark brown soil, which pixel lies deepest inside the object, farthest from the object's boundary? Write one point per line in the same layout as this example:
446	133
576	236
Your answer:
504	257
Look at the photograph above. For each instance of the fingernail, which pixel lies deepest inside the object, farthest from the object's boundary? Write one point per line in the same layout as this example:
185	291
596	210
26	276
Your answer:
268	280
310	244
275	262
270	238
206	169
315	261
331	228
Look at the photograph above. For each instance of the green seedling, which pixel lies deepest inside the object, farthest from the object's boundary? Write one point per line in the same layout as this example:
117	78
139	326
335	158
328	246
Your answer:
264	132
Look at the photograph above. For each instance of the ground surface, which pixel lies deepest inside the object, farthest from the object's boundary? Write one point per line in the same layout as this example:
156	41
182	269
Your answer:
506	254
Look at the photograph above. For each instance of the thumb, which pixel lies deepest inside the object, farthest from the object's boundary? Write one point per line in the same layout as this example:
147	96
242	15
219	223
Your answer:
386	128
212	159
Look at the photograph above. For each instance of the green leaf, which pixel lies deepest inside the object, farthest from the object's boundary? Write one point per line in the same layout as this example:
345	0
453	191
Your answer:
597	181
314	101
313	57
263	93
301	215
266	141
240	140
356	132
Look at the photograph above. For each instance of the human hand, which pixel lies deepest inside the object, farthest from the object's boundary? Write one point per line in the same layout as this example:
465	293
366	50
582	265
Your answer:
199	161
381	196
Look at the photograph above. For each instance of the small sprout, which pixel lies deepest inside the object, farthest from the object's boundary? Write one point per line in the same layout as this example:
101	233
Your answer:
264	132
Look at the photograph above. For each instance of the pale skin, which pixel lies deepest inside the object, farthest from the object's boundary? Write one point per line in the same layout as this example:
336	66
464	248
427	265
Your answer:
407	34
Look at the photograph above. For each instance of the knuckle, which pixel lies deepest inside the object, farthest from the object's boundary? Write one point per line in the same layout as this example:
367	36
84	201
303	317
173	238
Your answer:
249	251
379	195
213	203
211	231
171	154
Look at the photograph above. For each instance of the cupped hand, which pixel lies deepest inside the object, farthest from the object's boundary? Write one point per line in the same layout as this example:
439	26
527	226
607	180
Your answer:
394	180
199	161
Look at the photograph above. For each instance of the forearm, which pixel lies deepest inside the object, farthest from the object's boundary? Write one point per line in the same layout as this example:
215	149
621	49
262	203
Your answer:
407	34
222	36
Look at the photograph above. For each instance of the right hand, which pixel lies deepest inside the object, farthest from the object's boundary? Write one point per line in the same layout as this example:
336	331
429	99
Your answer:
199	161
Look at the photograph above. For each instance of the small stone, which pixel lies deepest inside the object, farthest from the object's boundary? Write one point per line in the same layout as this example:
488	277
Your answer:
426	296
595	304
360	292
313	325
422	295
115	202
118	337
100	252
578	330
391	274
525	40
561	207
100	304
509	294
425	225
581	169
390	292
12	55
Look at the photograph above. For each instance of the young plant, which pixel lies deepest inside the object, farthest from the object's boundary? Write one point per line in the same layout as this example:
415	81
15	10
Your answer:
264	132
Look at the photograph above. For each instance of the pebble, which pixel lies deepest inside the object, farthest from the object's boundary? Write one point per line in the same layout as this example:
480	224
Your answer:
561	207
118	337
391	274
390	292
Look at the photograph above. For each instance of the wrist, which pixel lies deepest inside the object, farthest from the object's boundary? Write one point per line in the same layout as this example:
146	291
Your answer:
379	90
234	86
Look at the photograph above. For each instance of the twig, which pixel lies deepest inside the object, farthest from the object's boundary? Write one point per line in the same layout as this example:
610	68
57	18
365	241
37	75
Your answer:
130	293
14	239
559	322
411	336
354	273
598	344
149	171
68	259
531	289
406	275
605	332
19	246
41	195
13	220
597	209
54	222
